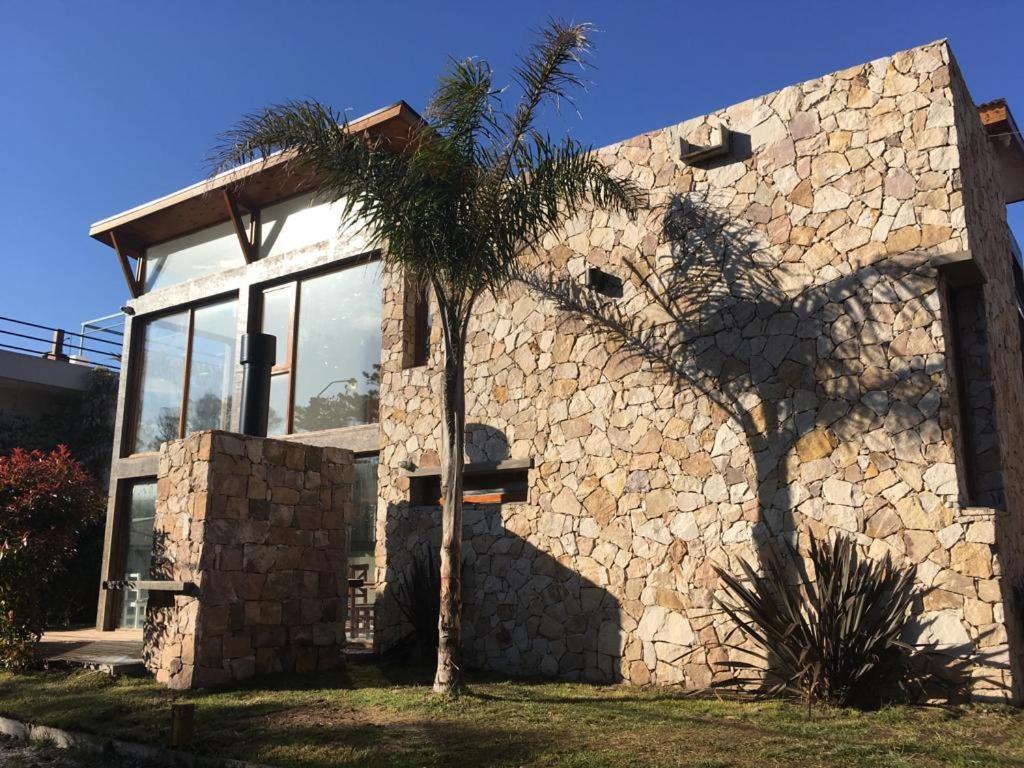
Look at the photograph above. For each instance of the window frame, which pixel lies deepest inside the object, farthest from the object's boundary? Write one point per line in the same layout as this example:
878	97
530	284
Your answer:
285	367
139	363
123	503
293	283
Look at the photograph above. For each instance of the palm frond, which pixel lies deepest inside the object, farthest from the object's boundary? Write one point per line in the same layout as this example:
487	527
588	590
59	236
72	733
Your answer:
464	108
309	129
474	190
562	178
549	72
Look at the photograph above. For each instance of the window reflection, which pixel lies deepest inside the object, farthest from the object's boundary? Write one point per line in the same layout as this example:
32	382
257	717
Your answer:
183	258
211	372
277	416
138	552
296	223
364	510
161	382
337	377
162	377
330	376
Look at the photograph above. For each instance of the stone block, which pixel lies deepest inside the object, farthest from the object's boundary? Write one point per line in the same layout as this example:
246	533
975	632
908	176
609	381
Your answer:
244	554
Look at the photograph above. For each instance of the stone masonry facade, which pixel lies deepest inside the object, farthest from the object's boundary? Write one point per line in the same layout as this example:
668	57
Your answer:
256	529
778	368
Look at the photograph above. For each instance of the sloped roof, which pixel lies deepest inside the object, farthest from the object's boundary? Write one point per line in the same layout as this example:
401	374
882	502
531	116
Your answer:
256	184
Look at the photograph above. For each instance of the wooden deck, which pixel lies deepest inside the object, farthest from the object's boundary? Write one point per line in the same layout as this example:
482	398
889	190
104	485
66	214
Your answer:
116	652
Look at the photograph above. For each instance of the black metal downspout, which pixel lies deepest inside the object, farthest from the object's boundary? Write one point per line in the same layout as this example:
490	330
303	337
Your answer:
258	355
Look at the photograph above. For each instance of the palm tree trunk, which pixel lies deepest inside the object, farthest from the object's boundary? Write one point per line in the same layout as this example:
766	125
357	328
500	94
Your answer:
448	678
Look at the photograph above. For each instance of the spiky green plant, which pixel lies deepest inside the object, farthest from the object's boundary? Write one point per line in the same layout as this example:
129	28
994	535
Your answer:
478	186
820	639
418	597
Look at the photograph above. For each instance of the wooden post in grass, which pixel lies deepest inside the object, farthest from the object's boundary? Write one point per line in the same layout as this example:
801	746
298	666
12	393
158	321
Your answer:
182	719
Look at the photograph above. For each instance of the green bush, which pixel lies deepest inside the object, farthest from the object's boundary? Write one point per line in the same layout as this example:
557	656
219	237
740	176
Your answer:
47	503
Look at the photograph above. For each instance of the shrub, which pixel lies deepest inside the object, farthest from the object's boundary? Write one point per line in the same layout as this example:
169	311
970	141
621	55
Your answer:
47	501
823	640
418	596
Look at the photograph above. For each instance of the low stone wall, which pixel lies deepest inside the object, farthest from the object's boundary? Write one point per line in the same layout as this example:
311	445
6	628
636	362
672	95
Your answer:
256	529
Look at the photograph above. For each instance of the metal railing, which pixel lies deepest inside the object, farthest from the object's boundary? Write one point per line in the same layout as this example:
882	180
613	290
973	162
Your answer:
99	345
107	330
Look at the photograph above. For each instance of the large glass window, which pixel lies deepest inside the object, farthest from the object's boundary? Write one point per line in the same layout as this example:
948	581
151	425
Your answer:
138	554
183	258
161	382
296	223
185	383
213	363
328	350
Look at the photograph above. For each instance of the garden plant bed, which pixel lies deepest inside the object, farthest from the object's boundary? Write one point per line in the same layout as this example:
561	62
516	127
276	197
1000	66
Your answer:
373	715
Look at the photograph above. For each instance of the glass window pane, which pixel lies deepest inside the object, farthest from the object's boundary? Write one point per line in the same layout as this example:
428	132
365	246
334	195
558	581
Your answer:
337	364
161	382
361	561
277	312
203	252
211	375
364	510
139	551
296	223
277	416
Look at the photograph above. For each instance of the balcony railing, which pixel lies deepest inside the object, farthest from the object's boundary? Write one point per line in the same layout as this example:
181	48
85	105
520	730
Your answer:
98	344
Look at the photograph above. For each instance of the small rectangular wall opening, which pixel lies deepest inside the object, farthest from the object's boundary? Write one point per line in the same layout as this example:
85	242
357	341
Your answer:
498	487
416	323
978	422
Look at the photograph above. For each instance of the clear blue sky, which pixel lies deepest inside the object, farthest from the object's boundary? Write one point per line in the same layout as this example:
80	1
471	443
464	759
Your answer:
106	105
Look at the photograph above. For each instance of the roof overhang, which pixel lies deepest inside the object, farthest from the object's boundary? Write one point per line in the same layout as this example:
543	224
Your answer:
254	184
1008	145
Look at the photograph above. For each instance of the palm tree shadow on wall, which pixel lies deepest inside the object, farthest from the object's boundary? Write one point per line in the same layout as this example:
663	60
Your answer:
524	612
801	362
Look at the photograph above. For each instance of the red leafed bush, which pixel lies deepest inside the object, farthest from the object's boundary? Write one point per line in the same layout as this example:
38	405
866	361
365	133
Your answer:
46	501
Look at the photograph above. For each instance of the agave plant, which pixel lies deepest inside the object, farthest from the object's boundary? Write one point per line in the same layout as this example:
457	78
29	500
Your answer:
418	597
822	639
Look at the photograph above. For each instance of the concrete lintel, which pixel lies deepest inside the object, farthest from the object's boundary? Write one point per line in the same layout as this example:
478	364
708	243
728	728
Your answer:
959	269
476	468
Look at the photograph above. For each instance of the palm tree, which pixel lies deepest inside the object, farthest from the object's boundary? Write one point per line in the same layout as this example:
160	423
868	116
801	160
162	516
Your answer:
477	186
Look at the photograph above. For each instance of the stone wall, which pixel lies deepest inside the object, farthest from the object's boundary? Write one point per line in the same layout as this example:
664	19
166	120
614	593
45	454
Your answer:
988	239
256	527
775	370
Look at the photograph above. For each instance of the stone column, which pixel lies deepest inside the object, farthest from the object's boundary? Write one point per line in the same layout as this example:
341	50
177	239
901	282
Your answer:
256	529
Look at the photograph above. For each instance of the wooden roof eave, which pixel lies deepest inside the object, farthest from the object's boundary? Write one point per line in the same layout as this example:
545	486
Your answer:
258	184
1008	145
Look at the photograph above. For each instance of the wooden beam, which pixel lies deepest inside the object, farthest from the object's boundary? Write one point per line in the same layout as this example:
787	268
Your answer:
255	231
150	585
122	251
475	468
248	247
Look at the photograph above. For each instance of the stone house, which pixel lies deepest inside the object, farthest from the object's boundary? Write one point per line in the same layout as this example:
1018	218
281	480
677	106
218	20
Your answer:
815	328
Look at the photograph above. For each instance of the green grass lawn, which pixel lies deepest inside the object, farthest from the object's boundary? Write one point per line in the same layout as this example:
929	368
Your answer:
370	715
